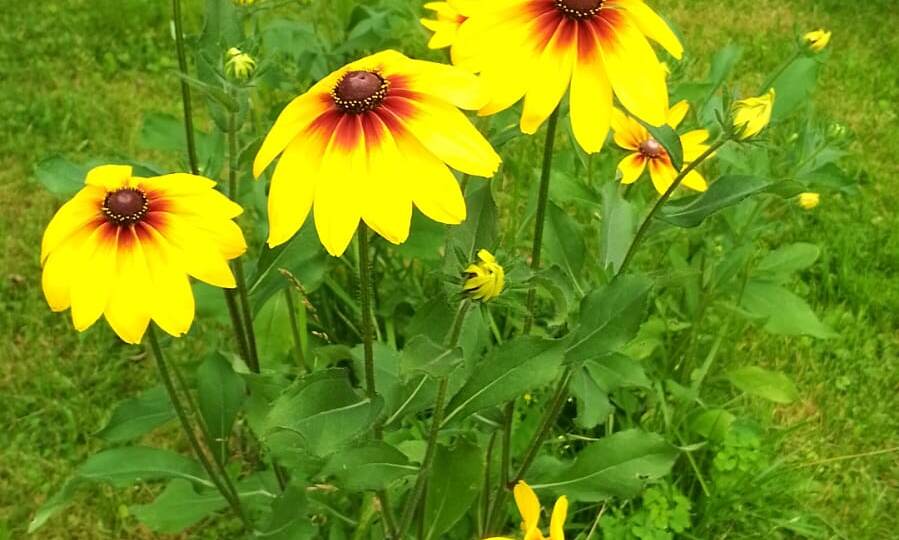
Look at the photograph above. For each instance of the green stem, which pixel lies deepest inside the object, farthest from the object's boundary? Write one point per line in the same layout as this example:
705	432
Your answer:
412	503
295	329
783	67
647	223
178	405
540	218
185	88
367	322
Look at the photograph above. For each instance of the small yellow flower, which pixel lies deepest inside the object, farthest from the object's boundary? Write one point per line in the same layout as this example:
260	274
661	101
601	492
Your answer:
123	247
809	200
817	40
450	16
529	508
486	278
240	65
631	135
752	115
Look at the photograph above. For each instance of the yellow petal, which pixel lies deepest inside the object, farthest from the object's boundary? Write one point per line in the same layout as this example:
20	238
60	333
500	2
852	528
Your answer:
109	177
223	234
293	187
434	188
677	113
632	167
694	144
549	78
387	207
296	117
92	283
454	85
450	136
629	134
695	181
61	266
172	304
662	174
557	521
128	311
528	505
196	251
74	215
177	184
655	28
590	100
337	205
637	77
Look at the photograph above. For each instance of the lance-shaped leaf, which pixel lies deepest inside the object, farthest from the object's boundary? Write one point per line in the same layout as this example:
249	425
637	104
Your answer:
138	416
422	355
370	467
178	507
512	369
726	191
454	484
220	393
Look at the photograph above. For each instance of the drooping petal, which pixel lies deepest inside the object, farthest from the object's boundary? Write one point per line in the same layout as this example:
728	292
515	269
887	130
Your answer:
337	206
172	304
176	184
695	181
434	188
694	144
528	505
385	190
632	167
629	134
662	173
550	77
109	177
128	311
655	27
677	113
224	234
637	77
90	284
591	96
81	211
62	265
195	249
557	521
295	118
454	85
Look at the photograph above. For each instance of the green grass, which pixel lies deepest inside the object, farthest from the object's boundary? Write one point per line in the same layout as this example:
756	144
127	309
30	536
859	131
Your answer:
77	78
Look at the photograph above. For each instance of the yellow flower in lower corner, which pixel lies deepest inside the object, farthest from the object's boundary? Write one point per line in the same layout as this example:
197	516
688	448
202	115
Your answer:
450	16
529	508
646	151
124	246
809	200
486	279
817	40
368	141
752	115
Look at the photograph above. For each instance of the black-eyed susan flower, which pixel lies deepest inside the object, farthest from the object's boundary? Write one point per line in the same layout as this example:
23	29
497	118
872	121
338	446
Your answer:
124	246
537	49
239	65
529	507
485	279
448	17
752	115
809	200
367	142
817	40
646	151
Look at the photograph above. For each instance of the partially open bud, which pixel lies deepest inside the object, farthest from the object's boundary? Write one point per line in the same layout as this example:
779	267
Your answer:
817	40
240	65
485	278
752	115
809	200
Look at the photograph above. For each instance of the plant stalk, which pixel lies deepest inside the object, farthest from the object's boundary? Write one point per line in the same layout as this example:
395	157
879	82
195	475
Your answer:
185	87
295	330
365	293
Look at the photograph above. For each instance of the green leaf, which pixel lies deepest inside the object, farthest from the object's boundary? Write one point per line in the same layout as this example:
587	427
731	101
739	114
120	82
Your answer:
220	393
592	383
780	264
370	467
319	415
618	227
515	367
610	317
426	239
289	517
454	484
670	140
564	244
794	87
424	356
138	416
785	313
727	191
60	176
302	256
616	466
166	133
479	231
178	507
593	405
273	334
771	385
712	424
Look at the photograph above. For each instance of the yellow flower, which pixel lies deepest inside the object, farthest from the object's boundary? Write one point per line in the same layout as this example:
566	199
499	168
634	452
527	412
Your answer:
486	278
450	15
368	141
631	135
529	508
244	2
240	65
752	115
817	40
537	49
124	246
809	200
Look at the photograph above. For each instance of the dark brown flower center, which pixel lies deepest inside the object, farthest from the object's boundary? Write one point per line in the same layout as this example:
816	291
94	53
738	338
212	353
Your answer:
125	206
651	148
579	9
359	91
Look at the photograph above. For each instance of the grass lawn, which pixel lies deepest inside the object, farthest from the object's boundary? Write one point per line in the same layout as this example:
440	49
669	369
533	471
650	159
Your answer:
76	77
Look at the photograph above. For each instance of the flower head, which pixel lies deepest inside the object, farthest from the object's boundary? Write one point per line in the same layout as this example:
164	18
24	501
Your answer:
449	17
752	115
817	40
124	246
645	150
367	142
538	49
809	200
486	278
239	65
529	508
